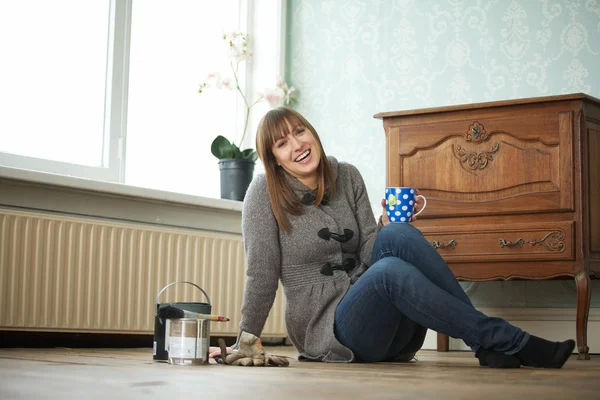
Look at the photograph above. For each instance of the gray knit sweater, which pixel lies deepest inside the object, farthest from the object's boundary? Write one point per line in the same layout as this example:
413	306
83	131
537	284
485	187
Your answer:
296	258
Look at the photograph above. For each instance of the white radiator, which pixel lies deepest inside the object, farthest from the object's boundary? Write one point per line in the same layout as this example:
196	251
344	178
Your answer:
71	274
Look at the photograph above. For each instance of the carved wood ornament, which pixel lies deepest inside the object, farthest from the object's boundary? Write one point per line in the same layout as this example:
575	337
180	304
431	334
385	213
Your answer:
477	133
554	241
475	160
472	160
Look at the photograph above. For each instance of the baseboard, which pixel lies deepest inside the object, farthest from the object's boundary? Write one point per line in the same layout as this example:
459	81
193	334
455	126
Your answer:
549	323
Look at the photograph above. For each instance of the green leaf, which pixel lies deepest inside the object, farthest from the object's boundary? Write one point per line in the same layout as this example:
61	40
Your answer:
222	148
249	154
237	153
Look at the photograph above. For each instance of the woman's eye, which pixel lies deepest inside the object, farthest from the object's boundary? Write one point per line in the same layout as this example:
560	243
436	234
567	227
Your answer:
280	144
299	131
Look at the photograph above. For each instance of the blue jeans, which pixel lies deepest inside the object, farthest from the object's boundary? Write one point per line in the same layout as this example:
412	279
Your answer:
407	289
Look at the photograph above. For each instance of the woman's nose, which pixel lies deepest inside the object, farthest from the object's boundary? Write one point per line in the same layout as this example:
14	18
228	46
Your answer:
295	143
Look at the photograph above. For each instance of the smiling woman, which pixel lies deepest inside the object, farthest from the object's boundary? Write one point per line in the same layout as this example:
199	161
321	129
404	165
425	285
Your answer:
356	291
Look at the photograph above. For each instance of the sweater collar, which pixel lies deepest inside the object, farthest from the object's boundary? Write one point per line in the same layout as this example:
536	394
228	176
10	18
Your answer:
300	188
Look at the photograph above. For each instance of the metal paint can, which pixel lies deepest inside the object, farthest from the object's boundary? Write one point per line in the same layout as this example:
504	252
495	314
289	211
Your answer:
162	325
188	341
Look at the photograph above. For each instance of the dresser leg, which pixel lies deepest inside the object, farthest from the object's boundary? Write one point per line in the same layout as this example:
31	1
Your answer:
443	342
583	308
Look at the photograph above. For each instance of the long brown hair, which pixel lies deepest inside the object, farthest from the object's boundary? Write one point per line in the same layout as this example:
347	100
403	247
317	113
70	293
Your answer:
271	128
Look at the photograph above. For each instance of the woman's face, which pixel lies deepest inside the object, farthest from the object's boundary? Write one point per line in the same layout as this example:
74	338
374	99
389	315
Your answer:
298	153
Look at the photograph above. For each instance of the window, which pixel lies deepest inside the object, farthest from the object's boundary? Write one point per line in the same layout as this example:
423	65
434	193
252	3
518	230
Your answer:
53	76
107	89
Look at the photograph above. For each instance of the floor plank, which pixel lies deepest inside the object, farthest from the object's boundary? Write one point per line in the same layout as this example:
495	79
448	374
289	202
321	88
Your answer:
63	373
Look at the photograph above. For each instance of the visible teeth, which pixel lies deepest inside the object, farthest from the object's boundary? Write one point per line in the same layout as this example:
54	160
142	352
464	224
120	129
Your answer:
303	156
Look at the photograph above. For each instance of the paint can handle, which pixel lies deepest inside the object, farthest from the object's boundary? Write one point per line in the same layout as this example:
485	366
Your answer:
173	283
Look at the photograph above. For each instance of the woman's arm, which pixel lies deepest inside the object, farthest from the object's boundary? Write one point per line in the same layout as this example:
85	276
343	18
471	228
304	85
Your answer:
365	219
261	243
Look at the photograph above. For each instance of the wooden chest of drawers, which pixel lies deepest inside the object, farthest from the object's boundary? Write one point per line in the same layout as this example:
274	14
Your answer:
512	187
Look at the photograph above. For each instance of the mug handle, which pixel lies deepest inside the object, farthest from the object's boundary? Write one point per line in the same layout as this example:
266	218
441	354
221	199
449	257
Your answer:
424	205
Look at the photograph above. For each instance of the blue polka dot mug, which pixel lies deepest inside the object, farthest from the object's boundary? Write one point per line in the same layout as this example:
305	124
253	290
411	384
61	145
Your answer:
400	204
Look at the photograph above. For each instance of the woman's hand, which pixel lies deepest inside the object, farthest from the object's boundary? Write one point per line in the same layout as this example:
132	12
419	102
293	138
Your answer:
418	205
384	216
216	351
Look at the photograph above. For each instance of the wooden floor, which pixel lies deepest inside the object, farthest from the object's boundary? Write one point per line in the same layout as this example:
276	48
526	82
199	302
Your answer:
62	373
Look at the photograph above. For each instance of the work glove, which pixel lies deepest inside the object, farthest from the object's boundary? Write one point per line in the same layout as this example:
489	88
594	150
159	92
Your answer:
250	353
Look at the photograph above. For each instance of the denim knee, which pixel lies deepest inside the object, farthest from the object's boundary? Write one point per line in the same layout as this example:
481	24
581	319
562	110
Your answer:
392	237
391	273
403	230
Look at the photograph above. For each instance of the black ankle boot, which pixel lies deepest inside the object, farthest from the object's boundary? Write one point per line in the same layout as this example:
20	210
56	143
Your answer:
495	359
542	353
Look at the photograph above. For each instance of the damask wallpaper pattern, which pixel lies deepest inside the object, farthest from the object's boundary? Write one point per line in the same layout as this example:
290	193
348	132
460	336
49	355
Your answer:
351	59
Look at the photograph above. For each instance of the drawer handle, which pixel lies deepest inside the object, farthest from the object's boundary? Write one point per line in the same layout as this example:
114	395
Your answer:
504	243
440	245
553	241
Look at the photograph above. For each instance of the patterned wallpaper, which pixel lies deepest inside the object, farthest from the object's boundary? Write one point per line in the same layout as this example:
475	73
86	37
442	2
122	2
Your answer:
351	59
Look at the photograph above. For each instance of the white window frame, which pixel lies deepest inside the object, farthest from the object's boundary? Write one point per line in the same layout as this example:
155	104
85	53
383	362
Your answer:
116	96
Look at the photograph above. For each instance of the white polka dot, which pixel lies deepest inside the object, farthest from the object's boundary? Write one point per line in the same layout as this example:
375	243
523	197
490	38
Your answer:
408	214
403	219
391	208
411	202
387	191
397	213
397	191
388	213
404	208
412	191
405	196
393	219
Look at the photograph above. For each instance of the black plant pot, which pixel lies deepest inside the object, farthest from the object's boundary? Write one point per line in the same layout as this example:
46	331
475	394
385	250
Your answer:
236	175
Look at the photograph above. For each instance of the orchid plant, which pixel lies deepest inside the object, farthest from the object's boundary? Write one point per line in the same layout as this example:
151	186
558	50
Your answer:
239	52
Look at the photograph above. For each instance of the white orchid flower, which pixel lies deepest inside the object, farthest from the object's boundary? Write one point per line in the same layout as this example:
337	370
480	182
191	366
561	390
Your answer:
274	97
227	83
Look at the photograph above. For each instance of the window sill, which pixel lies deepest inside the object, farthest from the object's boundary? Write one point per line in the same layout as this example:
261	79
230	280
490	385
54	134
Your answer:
28	189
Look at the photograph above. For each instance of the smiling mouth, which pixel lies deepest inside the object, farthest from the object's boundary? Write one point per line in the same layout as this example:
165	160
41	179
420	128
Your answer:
302	156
